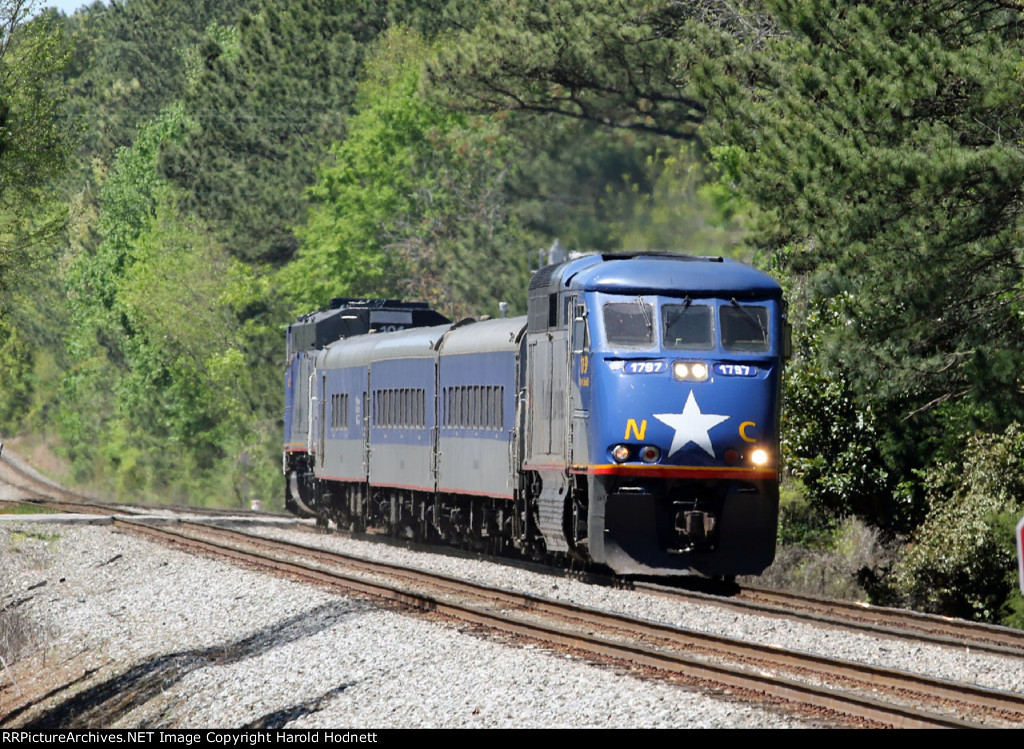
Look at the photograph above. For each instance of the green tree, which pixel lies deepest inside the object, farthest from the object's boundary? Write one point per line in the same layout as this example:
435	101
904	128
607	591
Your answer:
884	141
36	138
127	63
601	95
267	115
157	340
633	65
689	208
576	181
962	561
411	202
831	438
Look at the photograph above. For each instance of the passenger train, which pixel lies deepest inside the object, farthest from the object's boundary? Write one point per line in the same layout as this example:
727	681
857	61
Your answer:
629	421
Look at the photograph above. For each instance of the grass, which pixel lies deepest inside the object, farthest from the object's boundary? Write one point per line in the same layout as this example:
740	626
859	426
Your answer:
39	536
21	508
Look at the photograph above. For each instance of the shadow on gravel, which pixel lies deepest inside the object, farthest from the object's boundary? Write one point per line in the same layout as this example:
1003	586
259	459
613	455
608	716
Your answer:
102	705
281	718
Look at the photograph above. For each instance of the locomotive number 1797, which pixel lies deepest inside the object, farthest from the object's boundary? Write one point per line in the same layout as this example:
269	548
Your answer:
735	370
645	367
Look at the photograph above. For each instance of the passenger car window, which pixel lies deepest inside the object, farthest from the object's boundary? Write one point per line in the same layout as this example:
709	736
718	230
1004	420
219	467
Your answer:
629	323
687	326
744	328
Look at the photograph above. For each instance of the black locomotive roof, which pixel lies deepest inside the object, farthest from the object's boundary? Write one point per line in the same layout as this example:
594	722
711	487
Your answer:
348	317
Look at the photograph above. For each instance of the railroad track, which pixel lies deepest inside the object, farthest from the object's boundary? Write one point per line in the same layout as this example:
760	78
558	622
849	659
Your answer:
896	622
854	692
949	699
50	496
41	490
901	624
851	616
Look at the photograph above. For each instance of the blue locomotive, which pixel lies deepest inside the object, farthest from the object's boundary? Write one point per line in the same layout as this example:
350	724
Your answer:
629	420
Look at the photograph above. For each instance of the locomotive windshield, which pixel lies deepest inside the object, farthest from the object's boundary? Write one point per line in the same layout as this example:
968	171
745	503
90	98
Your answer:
744	328
629	323
687	326
701	325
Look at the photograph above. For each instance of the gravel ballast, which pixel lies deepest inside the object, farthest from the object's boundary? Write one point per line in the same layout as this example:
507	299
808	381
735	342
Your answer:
126	633
955	664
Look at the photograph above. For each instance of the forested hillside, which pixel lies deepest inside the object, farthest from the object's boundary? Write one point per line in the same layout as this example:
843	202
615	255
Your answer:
179	179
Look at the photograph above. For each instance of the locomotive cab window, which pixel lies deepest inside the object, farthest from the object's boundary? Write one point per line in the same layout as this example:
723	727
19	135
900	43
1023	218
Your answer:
744	327
687	326
629	323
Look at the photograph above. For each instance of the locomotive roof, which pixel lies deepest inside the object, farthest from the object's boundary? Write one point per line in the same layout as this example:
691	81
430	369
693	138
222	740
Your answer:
351	317
672	275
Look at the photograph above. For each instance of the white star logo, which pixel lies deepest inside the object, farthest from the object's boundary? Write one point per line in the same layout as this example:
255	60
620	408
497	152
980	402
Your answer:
691	426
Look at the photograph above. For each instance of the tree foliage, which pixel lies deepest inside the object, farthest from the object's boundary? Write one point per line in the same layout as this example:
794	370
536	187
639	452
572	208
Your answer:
156	337
884	139
962	559
267	114
36	138
633	65
690	207
600	94
129	60
831	439
412	200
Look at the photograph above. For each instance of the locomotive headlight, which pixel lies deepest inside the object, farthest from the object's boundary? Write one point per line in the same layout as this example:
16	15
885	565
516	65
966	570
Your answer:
759	457
692	371
620	453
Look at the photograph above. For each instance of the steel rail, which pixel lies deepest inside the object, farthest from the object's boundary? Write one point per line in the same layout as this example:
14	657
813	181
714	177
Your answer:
887	622
825	667
853	705
44	487
897	624
976	635
855	617
891	623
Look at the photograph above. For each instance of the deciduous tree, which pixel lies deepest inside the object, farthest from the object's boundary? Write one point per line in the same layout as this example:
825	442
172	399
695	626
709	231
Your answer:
36	137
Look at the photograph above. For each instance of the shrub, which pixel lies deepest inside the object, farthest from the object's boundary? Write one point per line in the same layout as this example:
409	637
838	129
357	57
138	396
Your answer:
830	559
962	559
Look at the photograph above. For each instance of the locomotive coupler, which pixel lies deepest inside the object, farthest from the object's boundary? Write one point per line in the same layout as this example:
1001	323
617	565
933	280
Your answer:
697	525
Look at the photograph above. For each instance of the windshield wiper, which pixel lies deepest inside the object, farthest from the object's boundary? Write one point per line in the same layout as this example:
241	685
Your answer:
646	314
671	318
753	318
